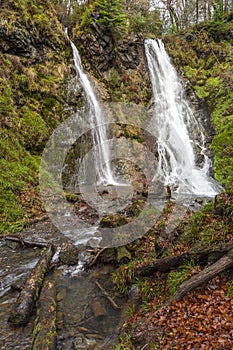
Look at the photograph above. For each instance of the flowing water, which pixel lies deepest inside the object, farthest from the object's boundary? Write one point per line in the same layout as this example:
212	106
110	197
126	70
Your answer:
98	125
77	325
179	132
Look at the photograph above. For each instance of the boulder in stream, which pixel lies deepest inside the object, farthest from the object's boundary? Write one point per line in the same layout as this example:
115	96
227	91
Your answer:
69	254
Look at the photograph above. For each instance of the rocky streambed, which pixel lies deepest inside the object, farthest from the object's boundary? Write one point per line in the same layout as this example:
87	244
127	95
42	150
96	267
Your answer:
85	318
89	310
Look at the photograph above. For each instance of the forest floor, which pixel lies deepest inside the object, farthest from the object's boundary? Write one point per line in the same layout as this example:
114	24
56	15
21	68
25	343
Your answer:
202	319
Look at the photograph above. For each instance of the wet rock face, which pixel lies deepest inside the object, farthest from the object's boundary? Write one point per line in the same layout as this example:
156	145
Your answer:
130	52
203	115
103	52
97	47
18	41
24	42
29	31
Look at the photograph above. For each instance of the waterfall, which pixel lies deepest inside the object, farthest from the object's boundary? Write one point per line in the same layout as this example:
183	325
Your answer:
179	132
98	125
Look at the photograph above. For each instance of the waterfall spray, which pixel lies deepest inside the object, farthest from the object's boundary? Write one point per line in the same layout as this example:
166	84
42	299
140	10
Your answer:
175	119
98	124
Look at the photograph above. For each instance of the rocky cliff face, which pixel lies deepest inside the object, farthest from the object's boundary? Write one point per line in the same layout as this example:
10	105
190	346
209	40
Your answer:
122	69
35	58
30	30
119	64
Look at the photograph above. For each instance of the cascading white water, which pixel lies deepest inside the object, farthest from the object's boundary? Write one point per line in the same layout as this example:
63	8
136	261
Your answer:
175	120
97	122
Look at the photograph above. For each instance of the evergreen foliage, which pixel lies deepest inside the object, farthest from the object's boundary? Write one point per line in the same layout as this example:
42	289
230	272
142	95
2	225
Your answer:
111	13
145	20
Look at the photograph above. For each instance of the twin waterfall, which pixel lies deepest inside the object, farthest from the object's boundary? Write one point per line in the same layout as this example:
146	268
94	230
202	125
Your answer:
98	125
180	135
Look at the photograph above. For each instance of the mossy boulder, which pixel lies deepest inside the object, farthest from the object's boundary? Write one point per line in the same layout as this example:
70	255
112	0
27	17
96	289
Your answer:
112	220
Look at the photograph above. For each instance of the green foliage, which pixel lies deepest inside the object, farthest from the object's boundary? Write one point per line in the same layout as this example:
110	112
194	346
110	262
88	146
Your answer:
218	10
123	276
125	343
220	30
86	19
144	20
111	14
175	278
149	290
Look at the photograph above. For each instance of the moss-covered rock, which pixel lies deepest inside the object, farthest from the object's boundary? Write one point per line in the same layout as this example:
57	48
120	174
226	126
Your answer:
113	220
34	56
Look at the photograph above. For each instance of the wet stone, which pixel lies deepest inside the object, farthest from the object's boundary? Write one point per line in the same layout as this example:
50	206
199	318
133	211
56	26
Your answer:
81	343
199	200
69	254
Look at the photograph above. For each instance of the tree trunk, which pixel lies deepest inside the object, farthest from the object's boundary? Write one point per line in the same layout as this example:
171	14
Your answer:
197	11
44	333
204	276
26	243
30	292
200	256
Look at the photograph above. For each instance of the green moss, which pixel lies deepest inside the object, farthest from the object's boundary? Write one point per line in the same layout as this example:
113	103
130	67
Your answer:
222	145
201	92
209	226
31	103
207	63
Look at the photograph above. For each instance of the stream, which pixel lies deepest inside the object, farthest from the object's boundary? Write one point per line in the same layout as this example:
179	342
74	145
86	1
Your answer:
77	328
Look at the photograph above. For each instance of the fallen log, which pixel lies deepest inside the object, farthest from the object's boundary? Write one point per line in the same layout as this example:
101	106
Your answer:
25	242
30	292
205	275
200	256
44	333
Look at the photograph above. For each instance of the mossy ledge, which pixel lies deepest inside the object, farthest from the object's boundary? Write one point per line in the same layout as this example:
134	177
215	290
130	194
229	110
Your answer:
34	55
